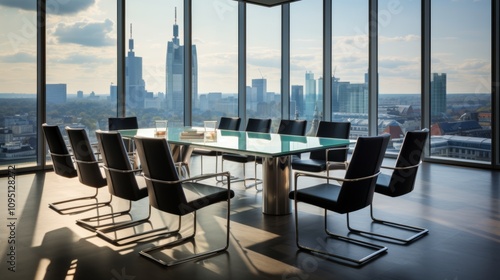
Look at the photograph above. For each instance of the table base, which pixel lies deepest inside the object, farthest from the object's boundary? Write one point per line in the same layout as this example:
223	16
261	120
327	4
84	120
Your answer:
276	178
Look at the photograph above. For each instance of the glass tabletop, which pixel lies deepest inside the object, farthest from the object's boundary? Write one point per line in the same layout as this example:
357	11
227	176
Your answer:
240	142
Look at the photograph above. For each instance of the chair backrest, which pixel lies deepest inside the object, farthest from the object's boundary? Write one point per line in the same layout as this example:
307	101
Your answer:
157	164
61	158
119	172
229	123
365	161
258	125
292	127
89	172
403	180
332	130
122	123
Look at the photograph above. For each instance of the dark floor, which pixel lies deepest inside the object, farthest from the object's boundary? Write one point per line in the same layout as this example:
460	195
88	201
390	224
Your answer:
460	207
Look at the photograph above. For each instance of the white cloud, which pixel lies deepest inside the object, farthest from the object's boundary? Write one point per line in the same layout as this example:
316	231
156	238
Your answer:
21	57
92	34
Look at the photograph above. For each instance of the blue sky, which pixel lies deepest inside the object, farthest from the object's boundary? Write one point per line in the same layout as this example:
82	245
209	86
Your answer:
81	39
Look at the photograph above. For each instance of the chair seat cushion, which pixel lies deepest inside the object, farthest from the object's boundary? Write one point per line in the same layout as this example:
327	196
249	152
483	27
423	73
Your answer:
238	158
309	165
200	195
204	152
322	195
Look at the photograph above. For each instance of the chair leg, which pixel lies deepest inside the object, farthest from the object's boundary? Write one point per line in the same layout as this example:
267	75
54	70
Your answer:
245	179
86	207
419	231
378	250
146	253
103	233
90	222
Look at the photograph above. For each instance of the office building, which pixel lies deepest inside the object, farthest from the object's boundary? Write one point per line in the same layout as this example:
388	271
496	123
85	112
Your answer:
56	93
135	85
175	72
438	94
298	99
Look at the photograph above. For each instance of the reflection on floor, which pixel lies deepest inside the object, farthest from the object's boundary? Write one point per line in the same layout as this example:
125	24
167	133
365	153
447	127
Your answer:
460	207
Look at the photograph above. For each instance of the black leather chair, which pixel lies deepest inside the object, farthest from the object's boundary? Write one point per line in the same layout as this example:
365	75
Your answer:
88	171
120	177
122	123
116	123
400	182
253	125
355	193
292	127
326	160
123	182
227	123
63	165
168	193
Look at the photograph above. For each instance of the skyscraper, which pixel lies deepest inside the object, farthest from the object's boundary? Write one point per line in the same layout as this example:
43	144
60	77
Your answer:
438	94
175	72
56	93
310	94
134	84
298	98
259	86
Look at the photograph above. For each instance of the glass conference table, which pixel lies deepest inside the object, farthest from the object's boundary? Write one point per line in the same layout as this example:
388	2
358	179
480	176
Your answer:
275	150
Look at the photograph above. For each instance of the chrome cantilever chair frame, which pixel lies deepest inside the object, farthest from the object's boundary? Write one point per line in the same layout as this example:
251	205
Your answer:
123	183
354	192
147	252
378	249
56	206
419	231
400	185
176	196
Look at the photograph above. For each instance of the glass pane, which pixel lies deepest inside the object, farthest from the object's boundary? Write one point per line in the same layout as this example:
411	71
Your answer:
306	62
18	114
155	61
263	90
215	37
399	69
81	65
350	64
460	80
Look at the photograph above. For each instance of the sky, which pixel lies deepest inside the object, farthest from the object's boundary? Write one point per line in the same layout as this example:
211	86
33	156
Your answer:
81	43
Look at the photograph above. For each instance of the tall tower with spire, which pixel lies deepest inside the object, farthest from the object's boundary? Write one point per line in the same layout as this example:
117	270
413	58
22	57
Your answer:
175	72
134	84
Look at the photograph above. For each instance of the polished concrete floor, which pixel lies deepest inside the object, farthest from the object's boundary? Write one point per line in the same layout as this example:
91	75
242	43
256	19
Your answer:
460	207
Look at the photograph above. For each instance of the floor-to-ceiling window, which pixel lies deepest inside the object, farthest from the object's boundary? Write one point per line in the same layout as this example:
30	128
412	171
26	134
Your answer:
18	111
263	91
215	36
81	64
399	63
306	62
460	82
350	64
154	61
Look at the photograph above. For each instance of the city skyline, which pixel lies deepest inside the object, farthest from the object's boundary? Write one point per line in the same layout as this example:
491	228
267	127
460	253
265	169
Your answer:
81	48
